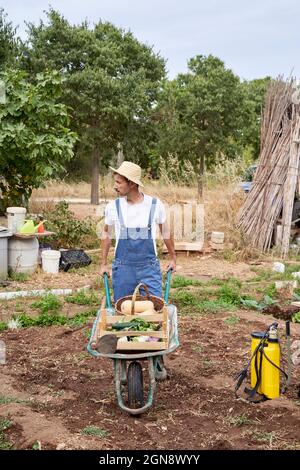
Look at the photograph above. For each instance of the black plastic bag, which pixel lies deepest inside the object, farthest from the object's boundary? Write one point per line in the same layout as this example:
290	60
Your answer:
73	259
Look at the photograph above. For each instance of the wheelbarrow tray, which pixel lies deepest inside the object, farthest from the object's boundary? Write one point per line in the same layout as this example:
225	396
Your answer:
144	349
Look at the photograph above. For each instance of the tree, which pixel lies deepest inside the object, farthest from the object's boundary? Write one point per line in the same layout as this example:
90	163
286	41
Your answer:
111	84
9	44
254	94
35	141
201	113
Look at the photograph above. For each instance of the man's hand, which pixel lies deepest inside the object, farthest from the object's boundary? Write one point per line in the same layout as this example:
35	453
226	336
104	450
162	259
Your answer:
104	269
172	265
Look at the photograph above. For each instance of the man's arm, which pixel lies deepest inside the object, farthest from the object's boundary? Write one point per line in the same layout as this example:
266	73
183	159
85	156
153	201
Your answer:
105	245
169	241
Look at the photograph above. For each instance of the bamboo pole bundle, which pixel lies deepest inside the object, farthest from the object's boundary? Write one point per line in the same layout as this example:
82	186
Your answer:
290	188
277	173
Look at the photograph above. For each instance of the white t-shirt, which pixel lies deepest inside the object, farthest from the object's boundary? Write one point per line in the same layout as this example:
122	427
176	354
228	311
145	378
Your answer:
135	215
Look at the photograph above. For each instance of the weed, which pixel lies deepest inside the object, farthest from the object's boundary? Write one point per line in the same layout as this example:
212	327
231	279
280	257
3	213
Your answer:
207	363
37	445
240	420
180	281
48	302
4	424
185	298
5	400
232	320
230	293
3	326
83	298
18	277
95	431
265	437
197	349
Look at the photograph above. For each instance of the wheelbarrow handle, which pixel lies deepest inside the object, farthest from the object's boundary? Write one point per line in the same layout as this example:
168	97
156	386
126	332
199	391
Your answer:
168	285
106	287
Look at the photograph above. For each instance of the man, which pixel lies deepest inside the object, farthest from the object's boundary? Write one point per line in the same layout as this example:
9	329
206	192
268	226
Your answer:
134	216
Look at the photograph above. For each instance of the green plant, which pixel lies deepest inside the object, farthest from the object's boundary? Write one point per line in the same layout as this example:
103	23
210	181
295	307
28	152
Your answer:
296	317
69	230
180	281
4	424
35	139
18	277
240	420
95	431
253	304
3	326
83	298
230	293
37	445
49	302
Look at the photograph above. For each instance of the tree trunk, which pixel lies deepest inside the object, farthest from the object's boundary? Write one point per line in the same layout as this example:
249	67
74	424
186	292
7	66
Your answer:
201	177
95	178
120	156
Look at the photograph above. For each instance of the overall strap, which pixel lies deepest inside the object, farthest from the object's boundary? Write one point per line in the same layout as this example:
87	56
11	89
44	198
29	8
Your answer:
152	211
119	212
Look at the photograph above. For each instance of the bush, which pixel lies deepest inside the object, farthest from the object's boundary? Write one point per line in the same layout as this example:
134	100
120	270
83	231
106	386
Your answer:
70	231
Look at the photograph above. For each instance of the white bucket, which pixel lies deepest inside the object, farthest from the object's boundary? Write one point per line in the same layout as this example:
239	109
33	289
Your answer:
15	218
50	261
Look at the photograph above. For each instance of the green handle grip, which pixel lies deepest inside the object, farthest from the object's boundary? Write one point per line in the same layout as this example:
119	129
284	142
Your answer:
106	287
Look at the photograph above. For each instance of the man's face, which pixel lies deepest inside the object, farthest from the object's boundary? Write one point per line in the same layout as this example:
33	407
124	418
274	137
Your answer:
122	185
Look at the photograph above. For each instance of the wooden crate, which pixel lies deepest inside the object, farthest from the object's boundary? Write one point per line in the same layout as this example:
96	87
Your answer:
163	333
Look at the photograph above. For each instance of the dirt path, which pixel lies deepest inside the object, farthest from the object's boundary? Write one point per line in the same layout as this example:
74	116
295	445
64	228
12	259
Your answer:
51	390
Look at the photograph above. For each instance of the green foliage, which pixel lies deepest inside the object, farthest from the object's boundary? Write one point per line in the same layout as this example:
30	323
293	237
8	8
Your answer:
8	42
35	141
296	317
95	431
18	277
112	81
230	293
253	304
240	420
83	297
69	231
3	326
48	303
50	319
181	281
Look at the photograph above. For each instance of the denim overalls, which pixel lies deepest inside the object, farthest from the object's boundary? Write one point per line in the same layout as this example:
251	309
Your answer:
135	259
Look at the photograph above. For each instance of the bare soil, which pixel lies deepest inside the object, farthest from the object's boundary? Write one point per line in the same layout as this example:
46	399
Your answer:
51	389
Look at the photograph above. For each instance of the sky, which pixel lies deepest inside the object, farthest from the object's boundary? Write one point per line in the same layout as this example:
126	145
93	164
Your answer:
254	38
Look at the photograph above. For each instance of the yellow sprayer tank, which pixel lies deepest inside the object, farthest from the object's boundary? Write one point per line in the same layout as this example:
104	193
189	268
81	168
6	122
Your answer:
270	378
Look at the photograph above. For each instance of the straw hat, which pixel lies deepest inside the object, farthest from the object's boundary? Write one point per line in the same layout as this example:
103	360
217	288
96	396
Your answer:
131	171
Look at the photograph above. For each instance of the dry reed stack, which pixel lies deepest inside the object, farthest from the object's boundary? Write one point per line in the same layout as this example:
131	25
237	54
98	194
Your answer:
277	176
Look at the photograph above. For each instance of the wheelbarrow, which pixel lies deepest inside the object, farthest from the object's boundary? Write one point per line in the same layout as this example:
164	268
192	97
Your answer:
132	376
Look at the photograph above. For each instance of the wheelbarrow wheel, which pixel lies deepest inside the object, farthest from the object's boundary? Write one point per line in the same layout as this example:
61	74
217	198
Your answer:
135	385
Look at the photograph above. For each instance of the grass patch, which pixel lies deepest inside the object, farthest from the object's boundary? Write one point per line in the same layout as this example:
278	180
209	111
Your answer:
95	431
83	298
180	281
18	277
